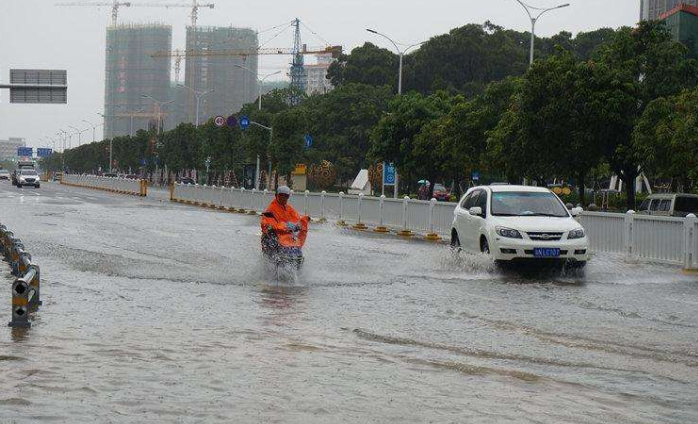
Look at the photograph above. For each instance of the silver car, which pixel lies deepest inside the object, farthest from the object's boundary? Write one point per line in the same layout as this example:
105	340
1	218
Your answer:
28	177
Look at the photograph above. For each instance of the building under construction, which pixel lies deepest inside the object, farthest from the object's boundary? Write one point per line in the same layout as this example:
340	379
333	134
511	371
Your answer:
232	86
131	74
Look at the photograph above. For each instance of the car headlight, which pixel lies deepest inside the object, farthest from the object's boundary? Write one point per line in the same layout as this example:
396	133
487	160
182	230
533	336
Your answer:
576	234
508	233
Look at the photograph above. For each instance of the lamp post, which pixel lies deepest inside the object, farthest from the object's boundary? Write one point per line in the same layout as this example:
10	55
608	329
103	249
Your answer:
79	133
271	137
159	105
199	95
94	128
531	11
111	156
400	51
259	81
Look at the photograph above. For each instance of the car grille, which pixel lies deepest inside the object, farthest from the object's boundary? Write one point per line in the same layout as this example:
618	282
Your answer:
29	180
545	236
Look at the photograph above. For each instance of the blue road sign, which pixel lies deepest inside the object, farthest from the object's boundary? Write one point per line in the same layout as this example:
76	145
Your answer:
244	122
144	162
308	141
388	174
25	151
44	152
232	121
476	176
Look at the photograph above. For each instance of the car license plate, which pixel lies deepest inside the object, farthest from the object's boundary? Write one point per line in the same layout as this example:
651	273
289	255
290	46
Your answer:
544	252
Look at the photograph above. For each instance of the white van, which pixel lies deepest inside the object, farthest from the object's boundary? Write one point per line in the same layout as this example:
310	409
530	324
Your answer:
670	204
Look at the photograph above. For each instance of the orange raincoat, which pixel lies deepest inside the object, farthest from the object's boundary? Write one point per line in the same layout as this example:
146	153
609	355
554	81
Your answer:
277	216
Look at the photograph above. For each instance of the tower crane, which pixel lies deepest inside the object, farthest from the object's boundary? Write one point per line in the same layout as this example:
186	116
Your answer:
115	5
194	5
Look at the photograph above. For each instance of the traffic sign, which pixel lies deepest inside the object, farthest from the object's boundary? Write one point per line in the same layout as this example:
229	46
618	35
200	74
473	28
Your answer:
25	151
389	174
219	121
232	121
476	176
43	152
308	141
244	122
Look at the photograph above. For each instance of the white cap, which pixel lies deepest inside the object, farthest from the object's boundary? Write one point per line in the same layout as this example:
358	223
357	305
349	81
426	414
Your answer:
283	190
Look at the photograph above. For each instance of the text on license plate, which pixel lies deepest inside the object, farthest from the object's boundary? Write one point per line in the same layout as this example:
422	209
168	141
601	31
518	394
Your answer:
544	252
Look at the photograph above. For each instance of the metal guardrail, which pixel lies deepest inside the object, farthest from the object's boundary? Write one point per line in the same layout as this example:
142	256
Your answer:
26	287
113	185
662	239
405	216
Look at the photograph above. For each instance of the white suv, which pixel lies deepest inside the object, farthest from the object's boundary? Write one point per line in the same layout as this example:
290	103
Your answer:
517	223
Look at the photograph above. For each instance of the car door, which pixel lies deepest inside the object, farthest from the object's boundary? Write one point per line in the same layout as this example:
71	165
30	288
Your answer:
471	224
477	223
462	217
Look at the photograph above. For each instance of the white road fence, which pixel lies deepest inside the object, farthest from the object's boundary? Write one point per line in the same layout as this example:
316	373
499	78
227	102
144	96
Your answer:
115	185
659	239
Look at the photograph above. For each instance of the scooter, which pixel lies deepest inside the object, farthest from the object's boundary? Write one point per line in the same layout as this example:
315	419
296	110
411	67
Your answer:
285	250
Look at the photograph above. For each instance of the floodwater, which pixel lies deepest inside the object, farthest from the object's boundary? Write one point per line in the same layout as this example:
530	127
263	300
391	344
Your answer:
155	312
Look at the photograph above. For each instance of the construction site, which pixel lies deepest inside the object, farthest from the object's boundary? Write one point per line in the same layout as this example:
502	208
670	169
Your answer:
221	69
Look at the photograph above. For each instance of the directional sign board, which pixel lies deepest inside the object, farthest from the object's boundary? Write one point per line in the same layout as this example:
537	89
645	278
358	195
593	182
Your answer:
44	152
389	174
232	121
244	122
38	86
25	152
308	141
476	176
219	121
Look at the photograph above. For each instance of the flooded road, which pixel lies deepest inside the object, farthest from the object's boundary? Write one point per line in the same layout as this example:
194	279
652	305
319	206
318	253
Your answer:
155	312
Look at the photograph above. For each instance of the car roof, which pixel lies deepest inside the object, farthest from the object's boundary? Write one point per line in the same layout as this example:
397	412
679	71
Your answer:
670	195
514	188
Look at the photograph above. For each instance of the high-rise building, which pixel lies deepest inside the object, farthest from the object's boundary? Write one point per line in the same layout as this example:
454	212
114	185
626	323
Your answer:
317	75
232	86
8	148
653	9
682	21
131	74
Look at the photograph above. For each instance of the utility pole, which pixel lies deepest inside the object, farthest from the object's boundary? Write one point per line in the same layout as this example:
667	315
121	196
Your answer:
531	11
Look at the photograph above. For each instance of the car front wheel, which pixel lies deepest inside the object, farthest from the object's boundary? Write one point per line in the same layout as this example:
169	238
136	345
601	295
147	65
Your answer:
484	246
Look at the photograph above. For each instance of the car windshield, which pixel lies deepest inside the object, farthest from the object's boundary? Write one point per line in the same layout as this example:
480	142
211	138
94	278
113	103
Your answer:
4	171
514	203
439	187
29	172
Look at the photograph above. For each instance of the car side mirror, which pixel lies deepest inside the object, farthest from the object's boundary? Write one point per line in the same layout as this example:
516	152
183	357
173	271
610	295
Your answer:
577	211
476	211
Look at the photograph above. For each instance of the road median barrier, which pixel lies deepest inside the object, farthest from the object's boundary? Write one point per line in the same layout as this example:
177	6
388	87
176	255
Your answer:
26	287
109	184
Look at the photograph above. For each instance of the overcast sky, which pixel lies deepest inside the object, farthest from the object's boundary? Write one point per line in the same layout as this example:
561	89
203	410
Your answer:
37	34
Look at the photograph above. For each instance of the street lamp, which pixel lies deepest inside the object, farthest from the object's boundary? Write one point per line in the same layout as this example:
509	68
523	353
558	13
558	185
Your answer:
111	145
534	20
159	109
94	127
79	133
199	95
401	52
260	82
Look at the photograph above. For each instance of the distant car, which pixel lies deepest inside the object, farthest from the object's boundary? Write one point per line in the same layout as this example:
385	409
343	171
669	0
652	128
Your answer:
28	177
441	193
57	176
187	180
110	175
669	204
4	174
519	224
132	177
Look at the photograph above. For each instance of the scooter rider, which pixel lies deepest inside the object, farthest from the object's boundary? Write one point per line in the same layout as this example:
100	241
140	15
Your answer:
281	224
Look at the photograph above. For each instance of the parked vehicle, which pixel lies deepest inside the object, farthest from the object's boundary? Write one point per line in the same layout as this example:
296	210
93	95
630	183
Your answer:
670	204
187	180
4	174
110	175
519	224
57	176
441	193
27	177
